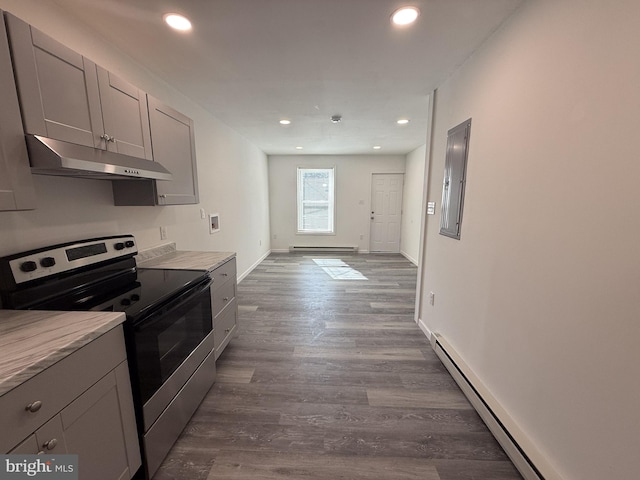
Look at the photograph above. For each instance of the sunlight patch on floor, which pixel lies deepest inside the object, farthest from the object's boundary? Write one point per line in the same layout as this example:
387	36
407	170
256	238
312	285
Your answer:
338	270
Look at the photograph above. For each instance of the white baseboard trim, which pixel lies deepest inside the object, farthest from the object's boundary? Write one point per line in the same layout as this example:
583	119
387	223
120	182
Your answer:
425	329
252	267
409	257
527	458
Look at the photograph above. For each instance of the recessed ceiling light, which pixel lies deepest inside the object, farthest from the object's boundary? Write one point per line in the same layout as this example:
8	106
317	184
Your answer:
285	122
336	118
405	16
402	121
299	148
177	21
377	147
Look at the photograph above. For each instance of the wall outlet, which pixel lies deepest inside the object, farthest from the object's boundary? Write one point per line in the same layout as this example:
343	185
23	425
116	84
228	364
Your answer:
432	298
361	237
203	214
163	233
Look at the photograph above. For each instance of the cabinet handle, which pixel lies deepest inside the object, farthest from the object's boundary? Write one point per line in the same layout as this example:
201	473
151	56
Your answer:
34	407
112	139
226	299
227	330
225	274
51	444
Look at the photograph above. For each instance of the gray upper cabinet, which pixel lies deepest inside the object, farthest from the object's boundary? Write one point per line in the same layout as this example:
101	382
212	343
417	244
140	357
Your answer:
125	116
16	186
173	145
65	96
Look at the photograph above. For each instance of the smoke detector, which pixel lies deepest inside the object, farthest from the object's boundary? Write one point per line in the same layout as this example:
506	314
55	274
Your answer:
336	118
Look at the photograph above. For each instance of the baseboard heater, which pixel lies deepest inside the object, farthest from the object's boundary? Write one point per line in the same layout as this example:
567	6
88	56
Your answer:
486	407
301	248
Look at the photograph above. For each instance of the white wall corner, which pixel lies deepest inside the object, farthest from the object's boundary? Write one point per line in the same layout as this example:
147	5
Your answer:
428	333
252	267
409	257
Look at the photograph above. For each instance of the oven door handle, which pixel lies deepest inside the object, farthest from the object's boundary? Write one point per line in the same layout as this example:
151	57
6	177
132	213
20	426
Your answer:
173	304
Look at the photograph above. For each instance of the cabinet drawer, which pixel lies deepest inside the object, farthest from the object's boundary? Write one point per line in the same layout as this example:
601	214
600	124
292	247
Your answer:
224	328
224	273
222	297
57	386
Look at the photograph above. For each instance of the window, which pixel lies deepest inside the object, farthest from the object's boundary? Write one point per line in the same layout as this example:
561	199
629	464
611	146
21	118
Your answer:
316	200
454	179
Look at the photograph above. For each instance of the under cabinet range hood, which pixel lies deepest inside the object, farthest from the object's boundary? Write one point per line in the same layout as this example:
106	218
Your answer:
54	157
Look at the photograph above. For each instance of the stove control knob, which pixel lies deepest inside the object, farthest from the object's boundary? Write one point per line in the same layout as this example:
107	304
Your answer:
135	297
119	246
47	262
129	243
28	266
125	302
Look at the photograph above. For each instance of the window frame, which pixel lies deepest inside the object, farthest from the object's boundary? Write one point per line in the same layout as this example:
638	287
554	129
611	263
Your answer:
300	202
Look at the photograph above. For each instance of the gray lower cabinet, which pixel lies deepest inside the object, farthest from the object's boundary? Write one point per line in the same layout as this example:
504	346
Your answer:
173	145
224	305
16	186
81	405
66	96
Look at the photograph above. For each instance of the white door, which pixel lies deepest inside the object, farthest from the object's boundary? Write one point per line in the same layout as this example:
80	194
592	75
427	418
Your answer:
386	212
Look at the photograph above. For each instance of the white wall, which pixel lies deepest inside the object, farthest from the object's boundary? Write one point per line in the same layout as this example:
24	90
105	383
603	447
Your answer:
232	173
412	204
541	296
353	197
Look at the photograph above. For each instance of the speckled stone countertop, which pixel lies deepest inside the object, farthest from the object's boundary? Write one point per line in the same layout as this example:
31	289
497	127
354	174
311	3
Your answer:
185	260
31	341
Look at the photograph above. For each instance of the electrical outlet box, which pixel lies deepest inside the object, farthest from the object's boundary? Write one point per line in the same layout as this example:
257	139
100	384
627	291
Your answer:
163	233
214	223
432	298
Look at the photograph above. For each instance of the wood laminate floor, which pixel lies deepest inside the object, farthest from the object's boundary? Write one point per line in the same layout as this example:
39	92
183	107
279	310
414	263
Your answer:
332	379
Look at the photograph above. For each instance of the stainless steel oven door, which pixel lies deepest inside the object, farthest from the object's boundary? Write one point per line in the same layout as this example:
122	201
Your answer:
170	344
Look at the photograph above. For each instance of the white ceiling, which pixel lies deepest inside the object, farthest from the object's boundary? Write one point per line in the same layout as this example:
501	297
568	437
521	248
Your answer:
253	62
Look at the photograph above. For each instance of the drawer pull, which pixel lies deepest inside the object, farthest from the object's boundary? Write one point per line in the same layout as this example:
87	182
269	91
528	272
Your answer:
34	407
227	330
226	299
225	274
51	444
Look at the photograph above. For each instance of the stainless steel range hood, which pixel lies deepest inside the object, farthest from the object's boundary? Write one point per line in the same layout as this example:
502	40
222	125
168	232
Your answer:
54	157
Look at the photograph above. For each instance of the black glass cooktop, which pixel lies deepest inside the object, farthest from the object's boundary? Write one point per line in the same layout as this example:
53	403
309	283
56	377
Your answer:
132	291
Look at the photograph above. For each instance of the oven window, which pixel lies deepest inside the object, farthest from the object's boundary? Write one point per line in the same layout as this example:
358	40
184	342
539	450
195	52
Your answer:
165	339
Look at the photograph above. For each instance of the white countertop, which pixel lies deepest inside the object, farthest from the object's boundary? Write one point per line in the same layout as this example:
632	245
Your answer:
186	260
31	341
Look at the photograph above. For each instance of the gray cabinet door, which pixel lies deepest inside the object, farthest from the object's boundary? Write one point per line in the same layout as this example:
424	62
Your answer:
58	87
125	116
16	187
173	144
93	429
